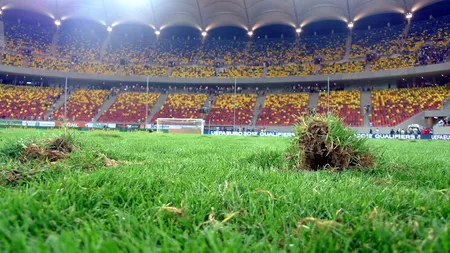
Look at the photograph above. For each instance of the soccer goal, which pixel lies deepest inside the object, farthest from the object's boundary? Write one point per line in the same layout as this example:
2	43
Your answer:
180	126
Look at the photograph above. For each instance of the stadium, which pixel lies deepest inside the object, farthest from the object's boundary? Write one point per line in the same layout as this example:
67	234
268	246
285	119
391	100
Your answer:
225	125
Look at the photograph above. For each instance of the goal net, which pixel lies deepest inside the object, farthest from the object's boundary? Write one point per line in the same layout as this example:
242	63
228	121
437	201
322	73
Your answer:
180	126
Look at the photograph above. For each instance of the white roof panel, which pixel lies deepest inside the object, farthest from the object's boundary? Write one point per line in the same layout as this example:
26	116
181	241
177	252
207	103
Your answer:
208	14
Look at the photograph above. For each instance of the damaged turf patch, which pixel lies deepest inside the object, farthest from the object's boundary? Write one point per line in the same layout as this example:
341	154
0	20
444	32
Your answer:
325	143
53	150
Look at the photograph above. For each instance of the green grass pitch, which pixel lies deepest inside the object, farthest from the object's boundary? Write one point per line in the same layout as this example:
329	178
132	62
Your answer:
174	193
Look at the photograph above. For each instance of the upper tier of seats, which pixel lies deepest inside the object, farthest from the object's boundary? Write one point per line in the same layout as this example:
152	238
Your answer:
25	102
392	107
283	109
344	104
82	44
86	50
385	41
434	30
241	71
20	37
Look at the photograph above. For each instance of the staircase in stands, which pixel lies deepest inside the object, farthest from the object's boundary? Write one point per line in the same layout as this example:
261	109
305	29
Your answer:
313	101
120	70
257	109
58	104
2	35
54	43
404	36
366	99
104	47
157	107
348	46
446	104
105	106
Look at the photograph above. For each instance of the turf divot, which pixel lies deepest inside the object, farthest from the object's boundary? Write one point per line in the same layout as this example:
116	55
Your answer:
53	150
325	143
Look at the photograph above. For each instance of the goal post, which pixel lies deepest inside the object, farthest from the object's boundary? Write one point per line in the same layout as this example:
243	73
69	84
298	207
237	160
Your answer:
180	126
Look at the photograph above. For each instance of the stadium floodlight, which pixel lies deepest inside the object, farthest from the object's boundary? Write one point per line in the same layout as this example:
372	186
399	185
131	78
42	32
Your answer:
157	32
204	33
250	33
409	15
57	22
109	29
350	25
298	30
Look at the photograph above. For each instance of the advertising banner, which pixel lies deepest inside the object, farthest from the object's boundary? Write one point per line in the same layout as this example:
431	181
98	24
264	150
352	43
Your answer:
101	125
7	123
38	123
236	133
46	124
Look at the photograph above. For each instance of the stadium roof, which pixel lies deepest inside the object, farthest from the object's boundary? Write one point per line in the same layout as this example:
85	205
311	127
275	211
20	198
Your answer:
208	14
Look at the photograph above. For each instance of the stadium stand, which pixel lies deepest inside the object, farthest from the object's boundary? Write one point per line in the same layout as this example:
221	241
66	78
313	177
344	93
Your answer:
222	112
20	37
330	47
182	106
145	70
384	41
342	68
38	62
291	70
277	51
83	105
283	109
229	51
344	104
432	30
397	62
25	102
82	44
132	47
427	43
15	60
129	107
391	107
241	72
97	68
192	72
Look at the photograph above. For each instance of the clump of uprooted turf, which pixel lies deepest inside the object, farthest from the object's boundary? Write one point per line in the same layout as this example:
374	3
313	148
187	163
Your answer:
24	159
325	143
52	150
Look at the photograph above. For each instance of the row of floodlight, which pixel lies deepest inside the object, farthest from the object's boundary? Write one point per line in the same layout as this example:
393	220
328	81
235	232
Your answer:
298	30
